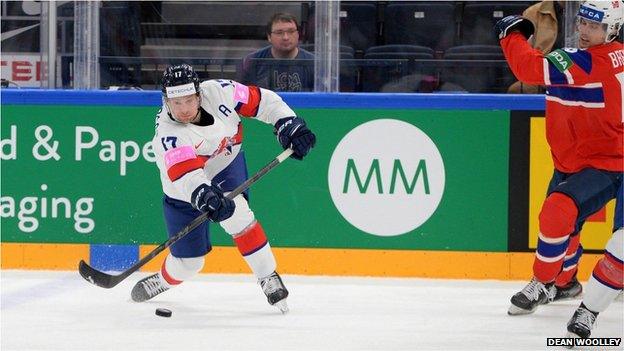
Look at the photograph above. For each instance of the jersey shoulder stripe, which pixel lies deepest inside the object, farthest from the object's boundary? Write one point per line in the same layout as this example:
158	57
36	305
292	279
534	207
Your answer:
249	106
581	58
564	59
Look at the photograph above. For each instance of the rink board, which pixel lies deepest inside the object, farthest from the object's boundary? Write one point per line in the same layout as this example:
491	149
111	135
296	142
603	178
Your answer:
334	262
110	211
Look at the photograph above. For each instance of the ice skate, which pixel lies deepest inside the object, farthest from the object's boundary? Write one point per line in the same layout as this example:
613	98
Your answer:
569	291
148	287
581	323
275	291
527	300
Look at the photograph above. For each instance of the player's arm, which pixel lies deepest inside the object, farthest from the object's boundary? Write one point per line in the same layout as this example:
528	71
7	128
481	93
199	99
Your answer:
526	63
176	156
560	67
268	107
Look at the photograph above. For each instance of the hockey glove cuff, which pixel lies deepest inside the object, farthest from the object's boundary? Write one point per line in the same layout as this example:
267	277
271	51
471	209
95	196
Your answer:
210	199
293	133
512	23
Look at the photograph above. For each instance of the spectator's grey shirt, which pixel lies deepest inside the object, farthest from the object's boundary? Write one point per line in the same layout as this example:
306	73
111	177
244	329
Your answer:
279	74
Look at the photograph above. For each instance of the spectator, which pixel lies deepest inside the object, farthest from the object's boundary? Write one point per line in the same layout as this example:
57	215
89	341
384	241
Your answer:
549	36
273	67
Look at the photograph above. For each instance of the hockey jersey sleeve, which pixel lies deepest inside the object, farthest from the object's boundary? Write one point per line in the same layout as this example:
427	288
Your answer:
560	67
180	166
251	101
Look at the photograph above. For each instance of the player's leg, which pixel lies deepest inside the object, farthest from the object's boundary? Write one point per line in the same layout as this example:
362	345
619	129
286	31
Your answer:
186	256
618	221
536	292
571	202
249	236
566	284
606	281
603	287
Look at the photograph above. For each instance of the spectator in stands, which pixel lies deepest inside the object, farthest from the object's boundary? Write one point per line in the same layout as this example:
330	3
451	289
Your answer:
546	17
274	67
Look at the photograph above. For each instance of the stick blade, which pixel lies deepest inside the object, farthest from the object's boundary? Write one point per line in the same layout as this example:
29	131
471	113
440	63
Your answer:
96	277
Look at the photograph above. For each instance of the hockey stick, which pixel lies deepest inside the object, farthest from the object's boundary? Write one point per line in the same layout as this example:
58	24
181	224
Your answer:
108	281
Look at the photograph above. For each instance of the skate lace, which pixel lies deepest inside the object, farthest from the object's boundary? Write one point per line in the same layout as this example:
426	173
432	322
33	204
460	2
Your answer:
584	318
153	286
533	289
270	284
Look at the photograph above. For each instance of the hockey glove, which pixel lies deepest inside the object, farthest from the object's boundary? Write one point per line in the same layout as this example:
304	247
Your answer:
210	199
293	133
512	23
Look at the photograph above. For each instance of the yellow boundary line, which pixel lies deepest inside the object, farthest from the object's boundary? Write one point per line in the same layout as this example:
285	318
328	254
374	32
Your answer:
306	261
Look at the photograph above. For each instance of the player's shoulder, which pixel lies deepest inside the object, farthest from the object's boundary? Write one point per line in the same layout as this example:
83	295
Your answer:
217	85
166	125
565	58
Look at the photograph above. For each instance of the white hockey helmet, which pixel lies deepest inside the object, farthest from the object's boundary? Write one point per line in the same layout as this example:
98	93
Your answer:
610	13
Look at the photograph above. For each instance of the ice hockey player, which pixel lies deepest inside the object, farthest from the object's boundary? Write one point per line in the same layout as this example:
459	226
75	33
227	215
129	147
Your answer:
198	147
584	128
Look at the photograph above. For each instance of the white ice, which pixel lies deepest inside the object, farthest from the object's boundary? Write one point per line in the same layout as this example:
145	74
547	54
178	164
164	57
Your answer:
60	311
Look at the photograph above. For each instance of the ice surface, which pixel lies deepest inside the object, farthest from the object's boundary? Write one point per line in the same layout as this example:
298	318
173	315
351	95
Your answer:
60	311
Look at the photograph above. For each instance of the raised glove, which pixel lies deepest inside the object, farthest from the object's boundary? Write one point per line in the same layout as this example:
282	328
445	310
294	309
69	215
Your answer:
210	199
293	133
512	23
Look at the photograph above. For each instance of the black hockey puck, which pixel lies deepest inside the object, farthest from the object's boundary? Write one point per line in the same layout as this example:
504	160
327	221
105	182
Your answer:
163	312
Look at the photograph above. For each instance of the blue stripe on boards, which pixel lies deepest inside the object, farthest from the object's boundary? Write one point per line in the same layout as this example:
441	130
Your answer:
437	101
80	97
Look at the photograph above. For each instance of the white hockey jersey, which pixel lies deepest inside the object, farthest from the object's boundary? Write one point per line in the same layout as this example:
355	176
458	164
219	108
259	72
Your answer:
189	155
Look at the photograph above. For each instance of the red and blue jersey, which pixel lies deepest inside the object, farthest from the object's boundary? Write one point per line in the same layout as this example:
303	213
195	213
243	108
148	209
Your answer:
584	121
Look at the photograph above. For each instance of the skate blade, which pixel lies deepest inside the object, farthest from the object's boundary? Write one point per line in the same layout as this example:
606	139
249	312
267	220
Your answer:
517	311
282	306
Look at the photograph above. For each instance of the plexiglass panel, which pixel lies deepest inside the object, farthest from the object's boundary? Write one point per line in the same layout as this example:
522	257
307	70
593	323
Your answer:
365	46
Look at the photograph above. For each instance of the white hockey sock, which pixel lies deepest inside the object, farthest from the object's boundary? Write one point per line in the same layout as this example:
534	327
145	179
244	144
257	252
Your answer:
605	282
256	250
175	270
598	296
262	262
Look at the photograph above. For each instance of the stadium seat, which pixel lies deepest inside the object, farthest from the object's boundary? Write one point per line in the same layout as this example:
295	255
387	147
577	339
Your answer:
346	52
419	23
479	18
482	69
389	63
358	25
475	52
399	51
